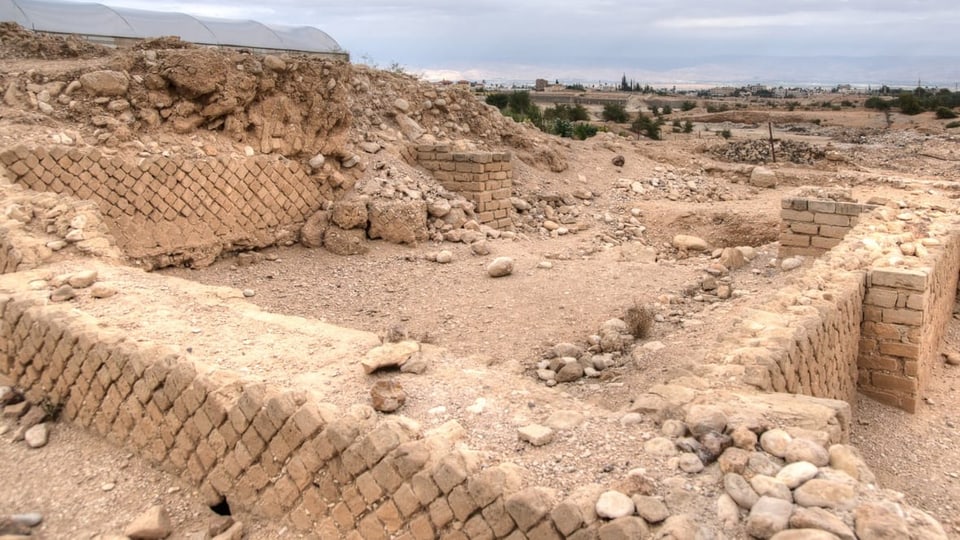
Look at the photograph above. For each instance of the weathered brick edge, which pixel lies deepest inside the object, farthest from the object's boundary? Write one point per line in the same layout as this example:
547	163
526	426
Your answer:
484	178
170	210
849	322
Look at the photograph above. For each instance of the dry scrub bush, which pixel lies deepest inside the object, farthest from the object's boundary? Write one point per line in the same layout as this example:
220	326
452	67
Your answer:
639	319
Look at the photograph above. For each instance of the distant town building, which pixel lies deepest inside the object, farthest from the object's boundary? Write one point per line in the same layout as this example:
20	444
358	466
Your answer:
540	85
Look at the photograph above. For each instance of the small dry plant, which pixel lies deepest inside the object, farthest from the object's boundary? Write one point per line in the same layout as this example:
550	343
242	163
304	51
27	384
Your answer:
639	319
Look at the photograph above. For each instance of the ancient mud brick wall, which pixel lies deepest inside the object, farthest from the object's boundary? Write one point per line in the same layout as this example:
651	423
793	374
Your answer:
174	210
274	452
905	314
484	178
813	227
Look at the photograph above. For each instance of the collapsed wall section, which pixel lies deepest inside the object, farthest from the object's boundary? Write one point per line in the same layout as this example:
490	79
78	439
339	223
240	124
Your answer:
169	210
484	178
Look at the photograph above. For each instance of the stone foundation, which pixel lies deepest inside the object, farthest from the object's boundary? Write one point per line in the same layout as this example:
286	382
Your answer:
484	178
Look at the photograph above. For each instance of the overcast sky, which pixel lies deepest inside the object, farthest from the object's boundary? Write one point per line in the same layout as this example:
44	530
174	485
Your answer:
604	38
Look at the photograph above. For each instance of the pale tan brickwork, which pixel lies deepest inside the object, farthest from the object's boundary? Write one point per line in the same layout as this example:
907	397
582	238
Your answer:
484	178
905	313
813	227
165	211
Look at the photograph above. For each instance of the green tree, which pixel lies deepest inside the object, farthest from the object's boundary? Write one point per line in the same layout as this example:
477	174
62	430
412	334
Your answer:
909	104
499	100
645	125
688	127
689	106
945	113
615	112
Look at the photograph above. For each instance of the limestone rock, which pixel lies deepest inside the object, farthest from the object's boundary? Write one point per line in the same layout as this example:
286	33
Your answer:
481	248
651	509
796	474
342	242
825	494
768	517
564	420
660	446
763	177
848	459
102	290
818	518
387	395
775	442
625	528
680	527
767	486
152	524
879	521
613	504
399	222
389	355
732	259
744	438
702	419
529	506
690	243
740	490
690	463
803	534
806	450
791	263
349	214
83	279
105	83
37	436
728	511
63	293
274	63
570	372
500	267
536	434
311	234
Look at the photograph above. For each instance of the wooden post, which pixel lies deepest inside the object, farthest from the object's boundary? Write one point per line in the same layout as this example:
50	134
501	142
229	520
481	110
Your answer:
773	152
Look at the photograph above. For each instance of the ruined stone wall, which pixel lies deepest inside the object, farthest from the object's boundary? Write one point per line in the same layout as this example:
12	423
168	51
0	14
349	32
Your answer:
484	178
164	211
813	227
905	314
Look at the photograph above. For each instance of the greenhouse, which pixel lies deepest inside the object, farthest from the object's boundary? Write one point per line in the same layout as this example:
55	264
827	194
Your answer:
121	27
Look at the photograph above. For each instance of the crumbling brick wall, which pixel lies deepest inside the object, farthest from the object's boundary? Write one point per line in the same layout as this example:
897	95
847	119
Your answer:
171	210
813	227
484	178
905	314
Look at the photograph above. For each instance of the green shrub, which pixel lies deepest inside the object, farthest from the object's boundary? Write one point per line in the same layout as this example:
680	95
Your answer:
499	100
951	125
725	134
688	106
562	127
908	104
615	112
667	109
944	113
645	125
583	131
688	127
877	103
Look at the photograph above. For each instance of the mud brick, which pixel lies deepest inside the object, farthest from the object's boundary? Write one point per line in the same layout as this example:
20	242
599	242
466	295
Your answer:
450	472
795	215
903	350
202	423
386	476
794	240
217	441
189	428
497	517
220	479
301	518
351	496
461	503
352	462
264	426
368	488
314	503
825	243
440	513
244	493
257	477
476	527
299	473
342	516
154	451
424	487
253	443
895	383
168	431
327	487
278	450
544	531
206	455
903	316
370	528
341	433
286	492
194	472
178	457
910	368
421	528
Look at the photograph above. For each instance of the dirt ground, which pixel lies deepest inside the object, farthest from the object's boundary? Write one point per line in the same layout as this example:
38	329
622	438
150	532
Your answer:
495	330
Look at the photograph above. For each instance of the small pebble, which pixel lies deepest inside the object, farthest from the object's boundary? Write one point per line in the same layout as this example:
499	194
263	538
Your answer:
249	293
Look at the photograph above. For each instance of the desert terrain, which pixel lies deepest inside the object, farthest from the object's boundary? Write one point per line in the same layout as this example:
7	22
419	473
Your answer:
594	234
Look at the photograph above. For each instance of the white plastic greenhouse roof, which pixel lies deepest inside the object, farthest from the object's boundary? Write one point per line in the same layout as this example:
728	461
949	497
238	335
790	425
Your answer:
100	20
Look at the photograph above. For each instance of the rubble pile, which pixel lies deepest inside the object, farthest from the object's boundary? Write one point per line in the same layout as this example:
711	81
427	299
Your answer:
758	151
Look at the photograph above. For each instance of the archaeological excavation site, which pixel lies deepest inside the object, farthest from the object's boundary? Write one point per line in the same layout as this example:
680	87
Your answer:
285	296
